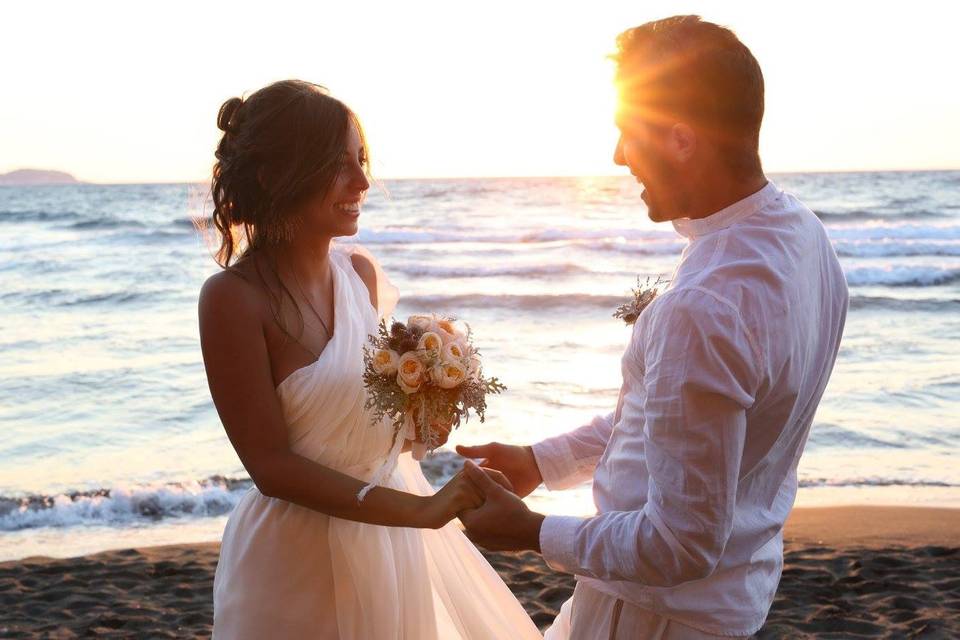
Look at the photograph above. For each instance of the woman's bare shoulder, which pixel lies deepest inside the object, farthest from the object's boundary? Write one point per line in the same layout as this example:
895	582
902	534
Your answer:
230	293
367	271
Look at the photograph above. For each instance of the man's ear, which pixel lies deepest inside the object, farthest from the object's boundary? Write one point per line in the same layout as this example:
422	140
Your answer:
683	141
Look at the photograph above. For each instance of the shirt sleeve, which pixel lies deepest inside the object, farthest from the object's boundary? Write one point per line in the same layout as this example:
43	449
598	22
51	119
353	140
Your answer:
569	459
701	376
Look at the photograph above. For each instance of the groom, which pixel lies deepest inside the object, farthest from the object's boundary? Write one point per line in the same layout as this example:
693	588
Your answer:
695	471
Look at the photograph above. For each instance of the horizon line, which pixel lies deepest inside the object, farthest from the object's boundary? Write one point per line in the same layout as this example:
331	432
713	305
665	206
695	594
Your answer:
480	177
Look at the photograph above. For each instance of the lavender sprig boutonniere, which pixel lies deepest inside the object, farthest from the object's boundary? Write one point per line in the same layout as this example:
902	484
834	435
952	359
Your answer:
640	297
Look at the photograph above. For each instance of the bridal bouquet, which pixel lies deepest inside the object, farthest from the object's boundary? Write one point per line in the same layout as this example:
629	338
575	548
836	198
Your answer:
424	374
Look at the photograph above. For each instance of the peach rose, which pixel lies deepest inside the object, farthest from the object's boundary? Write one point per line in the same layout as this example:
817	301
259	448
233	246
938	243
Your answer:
386	361
448	375
410	372
445	329
453	352
430	341
421	322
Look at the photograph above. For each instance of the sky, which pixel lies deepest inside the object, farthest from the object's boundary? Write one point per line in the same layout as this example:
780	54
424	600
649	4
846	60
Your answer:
119	92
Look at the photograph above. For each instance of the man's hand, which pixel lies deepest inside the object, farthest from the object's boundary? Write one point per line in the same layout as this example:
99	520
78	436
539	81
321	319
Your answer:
503	523
516	463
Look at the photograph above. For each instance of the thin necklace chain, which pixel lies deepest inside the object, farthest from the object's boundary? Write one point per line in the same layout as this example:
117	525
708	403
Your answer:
310	304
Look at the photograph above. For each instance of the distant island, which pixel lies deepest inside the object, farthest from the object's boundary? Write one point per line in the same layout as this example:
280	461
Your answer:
22	177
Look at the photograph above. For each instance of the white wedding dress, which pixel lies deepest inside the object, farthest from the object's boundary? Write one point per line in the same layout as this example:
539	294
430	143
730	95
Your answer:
289	572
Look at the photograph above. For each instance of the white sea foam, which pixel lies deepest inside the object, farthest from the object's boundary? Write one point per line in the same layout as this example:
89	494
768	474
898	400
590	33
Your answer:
123	505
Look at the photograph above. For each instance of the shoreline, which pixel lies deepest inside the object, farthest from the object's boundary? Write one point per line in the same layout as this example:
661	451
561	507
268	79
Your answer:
868	571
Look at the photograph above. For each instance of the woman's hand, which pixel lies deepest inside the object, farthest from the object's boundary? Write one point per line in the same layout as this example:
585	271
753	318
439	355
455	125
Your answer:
440	430
459	494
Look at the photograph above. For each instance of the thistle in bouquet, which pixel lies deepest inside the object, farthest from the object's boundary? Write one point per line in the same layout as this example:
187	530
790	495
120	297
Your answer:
425	376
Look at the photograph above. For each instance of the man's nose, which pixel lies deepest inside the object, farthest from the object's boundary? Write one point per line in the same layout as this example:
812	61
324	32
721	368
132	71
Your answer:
618	158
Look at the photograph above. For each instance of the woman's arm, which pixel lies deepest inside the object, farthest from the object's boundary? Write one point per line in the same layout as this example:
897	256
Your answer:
238	372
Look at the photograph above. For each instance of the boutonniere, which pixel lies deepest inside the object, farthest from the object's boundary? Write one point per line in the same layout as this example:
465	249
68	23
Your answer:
640	298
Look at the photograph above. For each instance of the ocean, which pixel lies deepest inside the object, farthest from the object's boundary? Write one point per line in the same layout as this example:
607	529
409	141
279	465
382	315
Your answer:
108	437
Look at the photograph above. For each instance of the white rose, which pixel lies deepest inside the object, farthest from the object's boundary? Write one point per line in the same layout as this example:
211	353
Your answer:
410	372
453	352
421	322
386	361
430	341
448	375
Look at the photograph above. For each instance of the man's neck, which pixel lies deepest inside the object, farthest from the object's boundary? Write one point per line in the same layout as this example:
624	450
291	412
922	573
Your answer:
719	195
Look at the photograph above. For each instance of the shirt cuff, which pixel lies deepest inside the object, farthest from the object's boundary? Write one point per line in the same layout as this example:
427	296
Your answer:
558	542
558	468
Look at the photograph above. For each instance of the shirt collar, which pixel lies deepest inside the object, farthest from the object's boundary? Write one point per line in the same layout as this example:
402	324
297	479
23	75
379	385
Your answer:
728	216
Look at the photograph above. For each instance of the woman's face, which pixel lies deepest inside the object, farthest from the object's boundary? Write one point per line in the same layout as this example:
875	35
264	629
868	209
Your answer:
336	212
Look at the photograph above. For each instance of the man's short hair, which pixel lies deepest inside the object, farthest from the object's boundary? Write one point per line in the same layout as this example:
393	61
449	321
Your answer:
684	69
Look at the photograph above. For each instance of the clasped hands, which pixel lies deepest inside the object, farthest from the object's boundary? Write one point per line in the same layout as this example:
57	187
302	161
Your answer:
505	475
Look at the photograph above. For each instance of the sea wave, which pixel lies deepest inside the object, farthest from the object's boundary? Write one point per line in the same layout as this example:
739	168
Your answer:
860	215
71	298
147	503
902	276
929	305
35	215
531	302
539	302
647	247
831	435
883	231
887	248
854	248
427	236
105	223
868	240
528	271
123	505
873	482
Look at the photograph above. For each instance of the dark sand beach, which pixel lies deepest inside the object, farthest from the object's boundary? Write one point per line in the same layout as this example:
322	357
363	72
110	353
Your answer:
850	572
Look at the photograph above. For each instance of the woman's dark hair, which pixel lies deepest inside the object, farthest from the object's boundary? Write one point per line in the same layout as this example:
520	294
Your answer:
280	146
686	68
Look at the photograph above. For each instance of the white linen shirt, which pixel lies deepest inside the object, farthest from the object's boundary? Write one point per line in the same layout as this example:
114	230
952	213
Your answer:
695	472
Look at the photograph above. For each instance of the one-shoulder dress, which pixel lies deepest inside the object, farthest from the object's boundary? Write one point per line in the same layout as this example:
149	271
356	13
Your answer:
286	571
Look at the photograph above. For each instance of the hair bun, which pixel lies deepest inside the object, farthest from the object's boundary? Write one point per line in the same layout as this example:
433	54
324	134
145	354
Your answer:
227	111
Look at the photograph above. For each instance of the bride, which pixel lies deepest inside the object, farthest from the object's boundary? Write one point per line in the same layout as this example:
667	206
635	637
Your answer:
282	329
